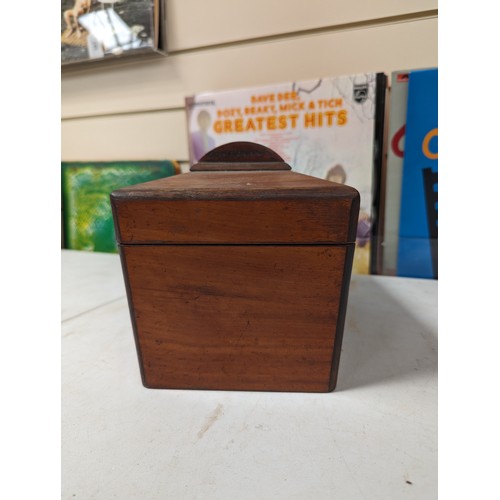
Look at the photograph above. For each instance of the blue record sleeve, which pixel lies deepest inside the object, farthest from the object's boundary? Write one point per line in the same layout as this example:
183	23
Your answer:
418	230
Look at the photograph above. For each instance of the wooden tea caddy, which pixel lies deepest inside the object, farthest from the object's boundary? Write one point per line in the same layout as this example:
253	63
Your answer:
237	273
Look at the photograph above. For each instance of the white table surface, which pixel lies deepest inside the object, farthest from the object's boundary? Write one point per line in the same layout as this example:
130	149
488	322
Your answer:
374	437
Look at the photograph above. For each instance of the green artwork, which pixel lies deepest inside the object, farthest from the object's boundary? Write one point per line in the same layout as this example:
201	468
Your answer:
87	218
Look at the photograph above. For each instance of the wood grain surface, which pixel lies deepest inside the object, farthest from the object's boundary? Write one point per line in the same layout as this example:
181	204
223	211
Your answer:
238	278
236	207
268	221
238	317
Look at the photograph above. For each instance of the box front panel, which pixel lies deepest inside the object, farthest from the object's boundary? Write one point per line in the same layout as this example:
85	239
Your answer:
236	317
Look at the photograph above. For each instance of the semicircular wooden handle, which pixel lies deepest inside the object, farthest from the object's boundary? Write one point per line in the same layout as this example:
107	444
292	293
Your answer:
240	156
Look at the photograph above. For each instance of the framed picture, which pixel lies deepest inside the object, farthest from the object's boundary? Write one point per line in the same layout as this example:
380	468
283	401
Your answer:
86	209
108	29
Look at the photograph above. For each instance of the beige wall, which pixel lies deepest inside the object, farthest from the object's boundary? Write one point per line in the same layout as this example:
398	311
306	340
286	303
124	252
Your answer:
135	109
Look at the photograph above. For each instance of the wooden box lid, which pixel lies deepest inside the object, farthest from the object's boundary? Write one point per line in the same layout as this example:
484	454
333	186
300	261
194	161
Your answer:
239	193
